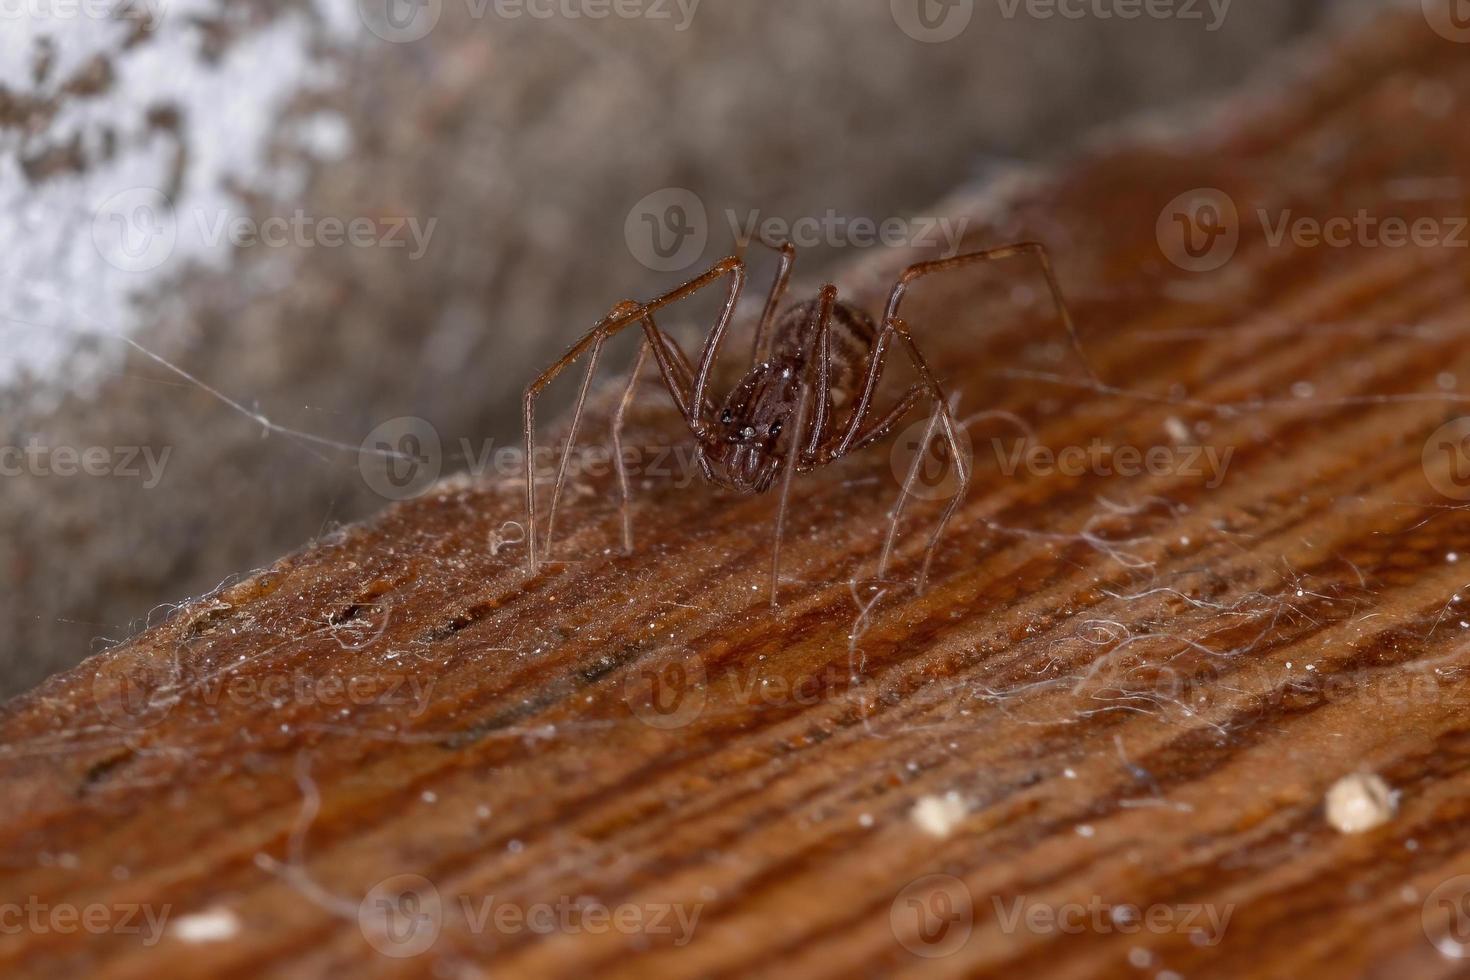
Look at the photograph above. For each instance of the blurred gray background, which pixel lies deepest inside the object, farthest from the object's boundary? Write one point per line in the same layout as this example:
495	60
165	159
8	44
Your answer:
536	156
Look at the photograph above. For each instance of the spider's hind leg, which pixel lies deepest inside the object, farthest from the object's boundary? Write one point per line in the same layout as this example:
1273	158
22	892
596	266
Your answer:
860	434
943	418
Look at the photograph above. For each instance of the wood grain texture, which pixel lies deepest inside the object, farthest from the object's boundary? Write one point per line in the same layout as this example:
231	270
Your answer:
1131	690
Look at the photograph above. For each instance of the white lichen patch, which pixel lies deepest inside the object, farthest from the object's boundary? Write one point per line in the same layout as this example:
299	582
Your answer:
938	816
1360	802
135	130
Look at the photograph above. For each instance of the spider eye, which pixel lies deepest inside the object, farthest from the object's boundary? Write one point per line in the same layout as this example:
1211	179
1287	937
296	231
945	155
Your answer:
775	429
727	416
748	432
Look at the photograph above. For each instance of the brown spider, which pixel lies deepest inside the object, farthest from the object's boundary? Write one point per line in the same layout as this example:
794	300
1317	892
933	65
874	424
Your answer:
781	418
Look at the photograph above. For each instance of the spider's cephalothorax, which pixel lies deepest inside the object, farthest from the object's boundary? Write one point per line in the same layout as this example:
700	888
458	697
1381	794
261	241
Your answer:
746	451
808	399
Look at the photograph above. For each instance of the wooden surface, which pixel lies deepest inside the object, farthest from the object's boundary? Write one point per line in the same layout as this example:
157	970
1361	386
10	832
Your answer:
1118	690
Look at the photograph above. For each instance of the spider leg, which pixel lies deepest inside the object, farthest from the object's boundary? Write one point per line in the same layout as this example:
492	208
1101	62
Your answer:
683	375
617	440
919	271
856	434
786	478
923	269
859	432
799	457
945	421
773	300
821	359
880	429
735	269
623	315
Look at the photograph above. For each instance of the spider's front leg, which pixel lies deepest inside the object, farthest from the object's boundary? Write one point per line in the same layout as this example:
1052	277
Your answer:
682	378
687	392
621	316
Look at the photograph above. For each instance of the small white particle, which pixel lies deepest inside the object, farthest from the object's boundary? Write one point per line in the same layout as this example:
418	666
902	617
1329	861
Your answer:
865	820
1069	773
1085	830
1452	557
1140	957
1303	389
212	926
938	816
1360	802
429	796
482	812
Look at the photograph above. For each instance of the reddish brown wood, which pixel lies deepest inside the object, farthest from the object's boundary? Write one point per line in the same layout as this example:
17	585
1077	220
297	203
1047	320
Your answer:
1310	604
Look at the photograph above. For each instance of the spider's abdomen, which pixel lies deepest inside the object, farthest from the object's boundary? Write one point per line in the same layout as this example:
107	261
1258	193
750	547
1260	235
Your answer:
851	338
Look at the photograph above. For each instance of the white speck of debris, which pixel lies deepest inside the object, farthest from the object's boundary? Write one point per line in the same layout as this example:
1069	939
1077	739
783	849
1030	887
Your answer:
1140	957
1085	830
938	816
482	812
429	796
1176	429
212	926
1303	389
1446	381
1069	773
1360	802
865	820
1452	557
